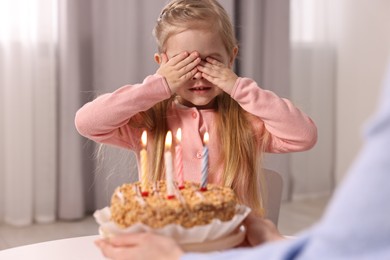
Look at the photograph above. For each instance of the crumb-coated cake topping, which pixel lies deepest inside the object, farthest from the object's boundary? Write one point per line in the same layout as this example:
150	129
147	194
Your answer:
189	207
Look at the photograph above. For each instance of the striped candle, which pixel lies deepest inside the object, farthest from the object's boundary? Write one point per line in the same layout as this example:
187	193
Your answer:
205	163
179	160
144	165
169	166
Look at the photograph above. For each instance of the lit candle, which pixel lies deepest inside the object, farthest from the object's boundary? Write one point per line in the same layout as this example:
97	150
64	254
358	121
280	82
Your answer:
179	160
205	163
169	166
144	165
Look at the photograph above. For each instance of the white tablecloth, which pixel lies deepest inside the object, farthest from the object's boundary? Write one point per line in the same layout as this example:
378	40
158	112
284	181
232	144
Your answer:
82	248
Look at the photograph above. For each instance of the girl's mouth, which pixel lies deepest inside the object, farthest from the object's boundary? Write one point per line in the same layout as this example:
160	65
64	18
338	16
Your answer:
200	88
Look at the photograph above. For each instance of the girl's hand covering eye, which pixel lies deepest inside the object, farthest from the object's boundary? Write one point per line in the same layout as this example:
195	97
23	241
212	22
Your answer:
178	69
218	74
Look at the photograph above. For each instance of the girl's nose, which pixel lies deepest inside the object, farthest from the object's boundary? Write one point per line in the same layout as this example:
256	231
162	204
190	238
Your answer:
197	75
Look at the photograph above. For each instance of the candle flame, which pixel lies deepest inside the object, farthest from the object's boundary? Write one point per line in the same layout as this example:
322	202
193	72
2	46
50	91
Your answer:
144	138
206	138
168	140
178	134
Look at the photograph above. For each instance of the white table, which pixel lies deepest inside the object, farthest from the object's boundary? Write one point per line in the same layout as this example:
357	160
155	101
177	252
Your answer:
78	248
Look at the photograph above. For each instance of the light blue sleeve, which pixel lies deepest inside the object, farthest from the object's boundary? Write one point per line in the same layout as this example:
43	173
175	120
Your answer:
356	224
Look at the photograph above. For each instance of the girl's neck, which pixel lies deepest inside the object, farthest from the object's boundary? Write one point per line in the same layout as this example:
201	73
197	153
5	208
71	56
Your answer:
211	105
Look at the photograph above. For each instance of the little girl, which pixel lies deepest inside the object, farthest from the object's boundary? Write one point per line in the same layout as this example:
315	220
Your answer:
196	90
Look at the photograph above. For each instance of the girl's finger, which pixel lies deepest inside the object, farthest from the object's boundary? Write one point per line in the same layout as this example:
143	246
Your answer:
190	74
178	58
164	58
189	62
208	69
214	62
189	68
208	77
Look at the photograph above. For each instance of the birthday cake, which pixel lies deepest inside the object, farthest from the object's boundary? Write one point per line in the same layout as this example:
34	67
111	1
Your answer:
188	207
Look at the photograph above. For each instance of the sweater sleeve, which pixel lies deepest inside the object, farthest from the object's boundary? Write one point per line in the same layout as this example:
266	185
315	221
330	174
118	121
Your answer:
290	129
105	119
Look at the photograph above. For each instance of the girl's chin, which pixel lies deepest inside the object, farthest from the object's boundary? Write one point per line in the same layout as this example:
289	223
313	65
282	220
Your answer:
200	104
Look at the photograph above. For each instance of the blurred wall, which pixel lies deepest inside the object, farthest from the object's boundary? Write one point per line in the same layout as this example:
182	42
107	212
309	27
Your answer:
363	53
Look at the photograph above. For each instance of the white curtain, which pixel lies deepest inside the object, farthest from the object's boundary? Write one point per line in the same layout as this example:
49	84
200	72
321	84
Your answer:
339	52
263	35
290	47
123	48
363	55
313	46
28	37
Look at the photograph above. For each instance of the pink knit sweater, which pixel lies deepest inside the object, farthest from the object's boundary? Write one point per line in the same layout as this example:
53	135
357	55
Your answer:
105	120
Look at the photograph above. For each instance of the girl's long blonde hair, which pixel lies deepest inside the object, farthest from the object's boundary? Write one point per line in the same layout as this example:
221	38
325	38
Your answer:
241	147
